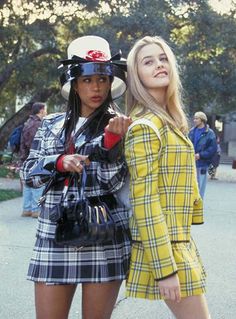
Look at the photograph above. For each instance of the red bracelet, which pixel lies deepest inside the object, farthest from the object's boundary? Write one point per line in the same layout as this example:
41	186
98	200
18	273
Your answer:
59	164
110	139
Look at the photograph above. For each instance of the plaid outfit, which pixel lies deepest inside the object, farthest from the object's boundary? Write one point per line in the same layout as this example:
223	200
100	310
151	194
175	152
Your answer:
165	202
55	264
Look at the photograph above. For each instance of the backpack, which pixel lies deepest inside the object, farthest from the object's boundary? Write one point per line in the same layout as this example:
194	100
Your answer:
122	195
15	138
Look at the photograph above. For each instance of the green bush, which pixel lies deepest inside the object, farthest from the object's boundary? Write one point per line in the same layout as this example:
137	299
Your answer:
6	194
6	156
4	171
8	171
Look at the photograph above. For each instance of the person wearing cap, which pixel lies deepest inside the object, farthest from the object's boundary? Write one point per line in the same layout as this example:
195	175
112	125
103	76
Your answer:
91	80
31	195
205	146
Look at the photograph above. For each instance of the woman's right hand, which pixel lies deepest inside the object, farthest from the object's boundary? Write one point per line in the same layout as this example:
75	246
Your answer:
119	125
73	162
170	288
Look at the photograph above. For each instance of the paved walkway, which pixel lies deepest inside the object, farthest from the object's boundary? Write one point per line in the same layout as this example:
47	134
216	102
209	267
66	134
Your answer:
10	183
215	240
225	173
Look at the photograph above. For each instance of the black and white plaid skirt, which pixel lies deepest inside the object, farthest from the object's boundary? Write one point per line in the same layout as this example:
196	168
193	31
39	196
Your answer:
54	264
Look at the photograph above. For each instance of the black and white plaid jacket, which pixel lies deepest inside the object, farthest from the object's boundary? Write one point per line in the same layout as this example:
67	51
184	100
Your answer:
104	177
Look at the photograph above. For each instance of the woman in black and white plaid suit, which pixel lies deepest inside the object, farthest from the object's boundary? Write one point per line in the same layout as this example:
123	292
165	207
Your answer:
90	82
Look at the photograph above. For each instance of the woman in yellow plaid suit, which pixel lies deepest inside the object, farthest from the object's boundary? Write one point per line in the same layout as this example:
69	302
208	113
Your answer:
165	263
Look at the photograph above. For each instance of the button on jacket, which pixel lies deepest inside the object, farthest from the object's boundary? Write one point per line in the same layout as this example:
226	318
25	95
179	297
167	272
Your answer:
163	192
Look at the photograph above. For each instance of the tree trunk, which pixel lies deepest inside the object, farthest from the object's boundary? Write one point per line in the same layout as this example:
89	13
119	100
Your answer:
21	116
8	70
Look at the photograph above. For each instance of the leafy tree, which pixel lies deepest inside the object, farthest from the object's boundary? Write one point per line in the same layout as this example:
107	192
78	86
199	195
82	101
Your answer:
207	56
21	116
203	40
30	49
35	37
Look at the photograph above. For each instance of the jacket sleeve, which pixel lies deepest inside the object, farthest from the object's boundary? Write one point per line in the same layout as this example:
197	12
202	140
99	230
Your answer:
141	151
108	168
211	147
198	217
102	154
29	133
39	167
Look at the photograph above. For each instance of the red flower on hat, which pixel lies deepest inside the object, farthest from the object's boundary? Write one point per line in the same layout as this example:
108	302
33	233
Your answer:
96	56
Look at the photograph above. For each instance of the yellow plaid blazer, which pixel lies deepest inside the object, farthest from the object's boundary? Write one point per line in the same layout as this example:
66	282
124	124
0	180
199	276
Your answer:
163	191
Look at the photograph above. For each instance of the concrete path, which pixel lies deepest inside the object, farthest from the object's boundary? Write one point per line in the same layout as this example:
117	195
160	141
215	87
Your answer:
215	239
10	183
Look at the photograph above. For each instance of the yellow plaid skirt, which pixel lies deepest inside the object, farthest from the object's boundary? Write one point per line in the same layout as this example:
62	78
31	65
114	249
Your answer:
192	275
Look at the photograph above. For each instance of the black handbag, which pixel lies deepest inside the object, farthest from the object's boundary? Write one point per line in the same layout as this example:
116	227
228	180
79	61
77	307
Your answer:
84	223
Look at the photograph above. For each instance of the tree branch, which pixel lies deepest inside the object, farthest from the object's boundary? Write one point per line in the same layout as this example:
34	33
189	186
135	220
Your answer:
6	74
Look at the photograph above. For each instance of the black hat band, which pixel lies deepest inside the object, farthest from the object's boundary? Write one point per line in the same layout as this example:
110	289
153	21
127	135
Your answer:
92	68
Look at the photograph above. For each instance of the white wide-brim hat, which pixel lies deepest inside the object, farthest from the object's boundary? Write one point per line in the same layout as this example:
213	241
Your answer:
90	55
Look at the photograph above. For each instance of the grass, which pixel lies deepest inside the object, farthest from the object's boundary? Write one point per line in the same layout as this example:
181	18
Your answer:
4	171
6	194
8	171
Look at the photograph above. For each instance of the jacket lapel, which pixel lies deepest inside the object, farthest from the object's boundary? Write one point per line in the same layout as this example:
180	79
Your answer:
182	136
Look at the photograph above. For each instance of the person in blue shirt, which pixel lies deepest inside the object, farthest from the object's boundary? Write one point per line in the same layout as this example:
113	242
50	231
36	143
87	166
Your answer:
205	146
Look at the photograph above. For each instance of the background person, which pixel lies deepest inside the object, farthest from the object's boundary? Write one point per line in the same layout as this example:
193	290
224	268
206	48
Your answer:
90	81
31	195
215	161
165	263
204	142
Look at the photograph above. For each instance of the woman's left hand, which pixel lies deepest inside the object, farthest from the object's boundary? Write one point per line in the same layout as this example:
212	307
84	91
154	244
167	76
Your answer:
119	125
73	162
170	288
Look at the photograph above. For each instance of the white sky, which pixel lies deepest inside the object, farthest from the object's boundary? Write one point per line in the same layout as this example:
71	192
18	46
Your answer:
221	6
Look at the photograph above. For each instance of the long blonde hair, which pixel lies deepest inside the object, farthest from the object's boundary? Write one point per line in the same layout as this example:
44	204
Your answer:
138	95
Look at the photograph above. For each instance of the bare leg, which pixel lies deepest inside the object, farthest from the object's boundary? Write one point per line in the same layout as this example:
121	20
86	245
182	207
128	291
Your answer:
98	300
193	307
53	301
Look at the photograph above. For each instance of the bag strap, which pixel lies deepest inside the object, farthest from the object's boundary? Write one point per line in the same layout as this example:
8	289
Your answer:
48	186
150	124
83	178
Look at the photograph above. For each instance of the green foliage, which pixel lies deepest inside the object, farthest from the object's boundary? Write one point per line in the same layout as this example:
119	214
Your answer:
4	171
8	100
208	58
35	38
7	194
8	170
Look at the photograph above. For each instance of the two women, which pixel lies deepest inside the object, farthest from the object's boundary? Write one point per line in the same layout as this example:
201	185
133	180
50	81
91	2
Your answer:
65	145
165	263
